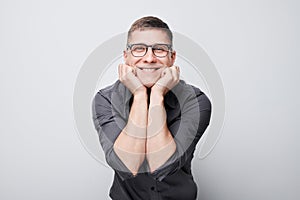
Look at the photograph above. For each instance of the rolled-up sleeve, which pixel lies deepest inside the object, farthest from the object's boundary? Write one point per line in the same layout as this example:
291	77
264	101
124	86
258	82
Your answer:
187	126
109	122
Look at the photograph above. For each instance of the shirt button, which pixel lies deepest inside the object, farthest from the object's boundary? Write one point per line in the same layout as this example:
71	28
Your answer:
152	188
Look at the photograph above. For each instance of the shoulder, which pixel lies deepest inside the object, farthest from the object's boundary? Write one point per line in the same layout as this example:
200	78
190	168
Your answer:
185	92
117	93
106	91
104	94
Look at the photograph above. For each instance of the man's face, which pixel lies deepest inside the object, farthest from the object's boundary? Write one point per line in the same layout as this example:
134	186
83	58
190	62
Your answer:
149	67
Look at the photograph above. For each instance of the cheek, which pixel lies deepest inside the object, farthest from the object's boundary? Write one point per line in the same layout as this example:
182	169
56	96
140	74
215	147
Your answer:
130	60
169	61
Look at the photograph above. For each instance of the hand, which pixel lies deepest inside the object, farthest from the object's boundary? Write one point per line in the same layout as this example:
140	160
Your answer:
169	78
127	76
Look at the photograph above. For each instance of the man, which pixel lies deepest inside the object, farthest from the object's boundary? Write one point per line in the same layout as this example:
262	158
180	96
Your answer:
149	121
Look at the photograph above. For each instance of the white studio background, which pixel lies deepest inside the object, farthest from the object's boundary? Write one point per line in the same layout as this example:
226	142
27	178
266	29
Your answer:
254	45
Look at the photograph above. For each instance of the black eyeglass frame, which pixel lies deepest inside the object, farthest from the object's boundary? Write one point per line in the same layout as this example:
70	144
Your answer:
129	46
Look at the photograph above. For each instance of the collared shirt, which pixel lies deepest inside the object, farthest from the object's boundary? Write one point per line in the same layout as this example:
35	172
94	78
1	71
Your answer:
188	114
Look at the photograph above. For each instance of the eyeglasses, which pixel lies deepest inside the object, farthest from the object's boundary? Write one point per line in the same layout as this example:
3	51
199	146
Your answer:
140	50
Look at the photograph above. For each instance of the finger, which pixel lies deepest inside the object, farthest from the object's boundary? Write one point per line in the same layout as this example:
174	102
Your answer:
129	70
176	72
134	70
120	71
166	72
124	71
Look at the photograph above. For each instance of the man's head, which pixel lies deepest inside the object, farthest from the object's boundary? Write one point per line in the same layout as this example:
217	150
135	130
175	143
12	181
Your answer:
149	49
150	22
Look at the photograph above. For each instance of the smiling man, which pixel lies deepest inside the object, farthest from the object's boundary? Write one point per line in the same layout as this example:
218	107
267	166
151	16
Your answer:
149	121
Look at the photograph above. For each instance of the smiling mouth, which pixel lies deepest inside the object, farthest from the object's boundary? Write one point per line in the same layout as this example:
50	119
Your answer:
146	69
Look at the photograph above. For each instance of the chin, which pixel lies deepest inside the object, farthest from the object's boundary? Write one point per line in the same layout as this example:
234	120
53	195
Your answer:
148	84
148	81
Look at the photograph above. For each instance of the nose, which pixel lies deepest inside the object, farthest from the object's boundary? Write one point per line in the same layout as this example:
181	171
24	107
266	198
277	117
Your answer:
149	57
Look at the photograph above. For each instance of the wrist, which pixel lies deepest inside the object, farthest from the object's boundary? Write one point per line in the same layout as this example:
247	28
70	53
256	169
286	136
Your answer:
158	90
140	91
140	94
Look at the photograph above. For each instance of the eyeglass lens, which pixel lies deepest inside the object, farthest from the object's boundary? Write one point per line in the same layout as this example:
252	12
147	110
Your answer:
159	50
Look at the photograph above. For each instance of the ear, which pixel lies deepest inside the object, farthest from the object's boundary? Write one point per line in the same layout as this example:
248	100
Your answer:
173	56
125	54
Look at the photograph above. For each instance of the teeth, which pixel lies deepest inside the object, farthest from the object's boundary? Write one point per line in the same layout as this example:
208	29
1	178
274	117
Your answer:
149	69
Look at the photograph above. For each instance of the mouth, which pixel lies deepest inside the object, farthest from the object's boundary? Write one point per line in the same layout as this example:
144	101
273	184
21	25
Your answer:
149	69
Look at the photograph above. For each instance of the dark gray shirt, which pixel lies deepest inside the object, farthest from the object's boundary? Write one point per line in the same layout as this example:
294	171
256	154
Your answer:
188	114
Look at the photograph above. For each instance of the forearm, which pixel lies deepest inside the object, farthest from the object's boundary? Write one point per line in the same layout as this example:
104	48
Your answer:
160	143
130	146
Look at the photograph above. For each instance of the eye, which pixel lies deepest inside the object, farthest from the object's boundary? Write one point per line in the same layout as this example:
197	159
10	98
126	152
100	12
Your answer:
138	48
160	48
